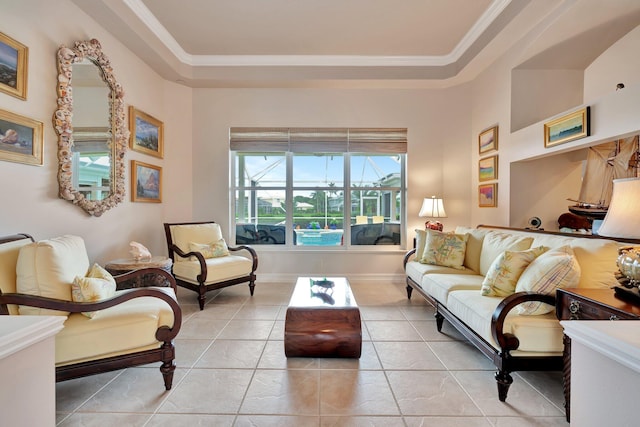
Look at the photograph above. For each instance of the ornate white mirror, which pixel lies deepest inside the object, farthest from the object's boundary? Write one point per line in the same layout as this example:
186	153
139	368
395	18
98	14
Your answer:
91	127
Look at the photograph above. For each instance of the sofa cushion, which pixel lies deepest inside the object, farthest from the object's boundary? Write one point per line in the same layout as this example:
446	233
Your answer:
182	235
538	335
474	246
505	270
445	249
47	268
417	270
439	285
98	285
495	243
210	250
117	330
557	268
218	269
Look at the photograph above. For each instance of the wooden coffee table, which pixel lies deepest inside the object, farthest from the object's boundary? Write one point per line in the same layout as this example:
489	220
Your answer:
322	321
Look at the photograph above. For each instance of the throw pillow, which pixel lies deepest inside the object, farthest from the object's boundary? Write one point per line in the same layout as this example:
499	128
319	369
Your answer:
445	249
210	250
96	286
421	240
503	274
554	269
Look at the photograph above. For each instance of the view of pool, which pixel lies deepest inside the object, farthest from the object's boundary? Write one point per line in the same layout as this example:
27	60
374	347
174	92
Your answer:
318	237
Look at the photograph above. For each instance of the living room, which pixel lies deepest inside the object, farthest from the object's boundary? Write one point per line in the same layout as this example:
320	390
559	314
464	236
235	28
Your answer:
566	55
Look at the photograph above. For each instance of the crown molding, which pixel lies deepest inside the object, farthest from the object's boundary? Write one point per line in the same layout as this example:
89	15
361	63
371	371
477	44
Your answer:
151	22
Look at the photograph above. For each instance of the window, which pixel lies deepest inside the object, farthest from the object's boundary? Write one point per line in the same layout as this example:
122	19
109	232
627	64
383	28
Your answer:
318	187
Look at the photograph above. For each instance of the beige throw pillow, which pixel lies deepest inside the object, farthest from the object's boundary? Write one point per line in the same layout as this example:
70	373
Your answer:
210	250
557	268
445	249
503	275
96	286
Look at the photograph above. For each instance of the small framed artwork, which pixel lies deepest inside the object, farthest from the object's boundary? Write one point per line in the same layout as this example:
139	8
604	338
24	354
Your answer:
488	140
488	195
20	139
14	57
488	168
146	182
567	128
147	133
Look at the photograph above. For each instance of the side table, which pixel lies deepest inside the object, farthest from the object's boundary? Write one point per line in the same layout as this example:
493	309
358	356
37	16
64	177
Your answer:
125	265
588	304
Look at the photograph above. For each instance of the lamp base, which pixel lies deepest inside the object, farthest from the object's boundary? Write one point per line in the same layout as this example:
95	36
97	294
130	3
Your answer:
433	225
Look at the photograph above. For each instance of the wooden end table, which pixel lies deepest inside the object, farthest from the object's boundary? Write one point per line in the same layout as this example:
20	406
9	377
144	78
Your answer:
125	265
322	321
588	304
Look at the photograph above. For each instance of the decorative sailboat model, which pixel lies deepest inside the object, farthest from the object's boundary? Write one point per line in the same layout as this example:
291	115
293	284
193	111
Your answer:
605	162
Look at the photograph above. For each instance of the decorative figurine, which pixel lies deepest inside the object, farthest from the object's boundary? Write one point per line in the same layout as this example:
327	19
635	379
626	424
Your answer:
139	252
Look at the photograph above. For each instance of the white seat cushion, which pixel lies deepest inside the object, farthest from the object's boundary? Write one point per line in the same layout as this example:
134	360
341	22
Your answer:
218	269
417	270
538	335
439	285
117	330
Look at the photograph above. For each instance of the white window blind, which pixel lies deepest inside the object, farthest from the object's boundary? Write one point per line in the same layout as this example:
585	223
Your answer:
318	140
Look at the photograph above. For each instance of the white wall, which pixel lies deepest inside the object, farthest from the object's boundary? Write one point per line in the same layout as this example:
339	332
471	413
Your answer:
438	131
29	194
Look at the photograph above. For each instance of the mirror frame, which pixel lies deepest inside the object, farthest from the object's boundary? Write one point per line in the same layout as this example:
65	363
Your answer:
63	124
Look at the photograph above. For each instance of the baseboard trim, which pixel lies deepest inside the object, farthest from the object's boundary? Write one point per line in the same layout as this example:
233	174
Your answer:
373	279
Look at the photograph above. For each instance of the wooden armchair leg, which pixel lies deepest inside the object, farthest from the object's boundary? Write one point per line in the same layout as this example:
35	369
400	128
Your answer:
202	296
252	285
504	380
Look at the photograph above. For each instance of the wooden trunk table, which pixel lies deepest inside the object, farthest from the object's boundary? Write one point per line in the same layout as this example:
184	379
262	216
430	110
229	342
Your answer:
322	321
125	265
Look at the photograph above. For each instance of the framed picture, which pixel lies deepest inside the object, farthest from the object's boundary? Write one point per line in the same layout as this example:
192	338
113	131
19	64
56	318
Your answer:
147	133
488	168
14	57
20	139
488	195
488	140
567	128
146	182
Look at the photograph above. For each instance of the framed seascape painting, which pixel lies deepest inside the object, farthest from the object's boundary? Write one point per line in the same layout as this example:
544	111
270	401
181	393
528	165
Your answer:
567	128
20	139
488	140
13	67
147	133
146	182
488	195
488	168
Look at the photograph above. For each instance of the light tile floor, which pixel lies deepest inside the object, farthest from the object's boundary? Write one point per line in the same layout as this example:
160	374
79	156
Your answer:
232	371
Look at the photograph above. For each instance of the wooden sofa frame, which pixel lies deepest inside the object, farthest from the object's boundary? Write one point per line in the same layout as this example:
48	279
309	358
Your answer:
165	353
501	357
202	288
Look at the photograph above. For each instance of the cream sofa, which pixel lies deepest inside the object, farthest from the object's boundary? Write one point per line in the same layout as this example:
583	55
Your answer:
130	327
513	341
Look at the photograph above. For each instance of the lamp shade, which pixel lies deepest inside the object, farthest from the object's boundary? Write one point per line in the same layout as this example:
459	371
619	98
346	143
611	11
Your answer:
432	208
623	215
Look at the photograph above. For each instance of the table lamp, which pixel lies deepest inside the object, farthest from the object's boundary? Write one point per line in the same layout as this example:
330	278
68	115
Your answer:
433	208
623	221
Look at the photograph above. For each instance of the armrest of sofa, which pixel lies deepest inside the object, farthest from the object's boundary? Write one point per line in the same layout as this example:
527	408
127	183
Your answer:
164	333
507	341
252	252
407	257
142	272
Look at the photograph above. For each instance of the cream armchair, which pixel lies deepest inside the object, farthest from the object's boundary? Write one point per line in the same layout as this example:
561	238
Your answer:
202	261
127	327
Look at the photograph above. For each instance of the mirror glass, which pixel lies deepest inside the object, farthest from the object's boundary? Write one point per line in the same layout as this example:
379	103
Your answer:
92	142
90	123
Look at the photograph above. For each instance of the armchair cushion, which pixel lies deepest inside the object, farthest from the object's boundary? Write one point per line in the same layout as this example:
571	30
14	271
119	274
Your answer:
183	235
48	267
117	330
98	285
218	269
210	250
